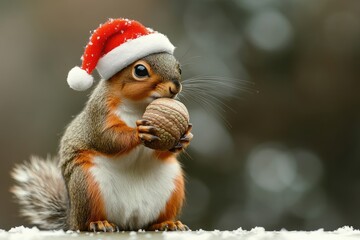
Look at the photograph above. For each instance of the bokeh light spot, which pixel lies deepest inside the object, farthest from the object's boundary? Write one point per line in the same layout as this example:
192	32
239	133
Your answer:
269	30
271	167
211	139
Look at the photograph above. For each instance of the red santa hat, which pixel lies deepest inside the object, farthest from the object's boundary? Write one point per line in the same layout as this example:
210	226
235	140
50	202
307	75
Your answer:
112	47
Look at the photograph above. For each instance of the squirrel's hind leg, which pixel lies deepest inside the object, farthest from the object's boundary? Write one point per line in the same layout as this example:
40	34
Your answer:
174	204
86	203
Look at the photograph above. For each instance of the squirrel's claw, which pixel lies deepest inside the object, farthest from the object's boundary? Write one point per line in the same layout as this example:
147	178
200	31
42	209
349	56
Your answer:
142	122
177	148
103	226
169	226
184	141
146	129
148	137
146	132
187	137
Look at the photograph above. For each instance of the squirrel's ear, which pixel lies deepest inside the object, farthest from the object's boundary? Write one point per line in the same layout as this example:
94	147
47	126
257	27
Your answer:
79	80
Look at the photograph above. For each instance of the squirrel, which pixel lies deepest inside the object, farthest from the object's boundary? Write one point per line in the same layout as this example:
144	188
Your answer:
104	178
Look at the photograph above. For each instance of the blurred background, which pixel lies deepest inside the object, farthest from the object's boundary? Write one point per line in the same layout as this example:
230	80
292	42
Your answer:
278	144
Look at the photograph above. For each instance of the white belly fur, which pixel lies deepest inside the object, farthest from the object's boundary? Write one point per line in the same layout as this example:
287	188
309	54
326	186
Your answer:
136	187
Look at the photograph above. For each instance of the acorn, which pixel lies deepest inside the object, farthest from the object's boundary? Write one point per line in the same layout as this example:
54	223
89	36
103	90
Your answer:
170	118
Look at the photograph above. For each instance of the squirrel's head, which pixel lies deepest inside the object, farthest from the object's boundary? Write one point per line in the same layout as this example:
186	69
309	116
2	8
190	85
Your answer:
154	76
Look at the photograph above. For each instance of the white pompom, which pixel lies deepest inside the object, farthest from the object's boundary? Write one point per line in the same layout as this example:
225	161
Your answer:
79	80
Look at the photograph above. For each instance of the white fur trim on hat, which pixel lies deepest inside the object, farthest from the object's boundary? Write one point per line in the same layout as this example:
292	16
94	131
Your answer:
79	80
128	52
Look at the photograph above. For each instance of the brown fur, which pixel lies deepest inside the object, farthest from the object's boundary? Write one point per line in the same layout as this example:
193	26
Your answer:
97	131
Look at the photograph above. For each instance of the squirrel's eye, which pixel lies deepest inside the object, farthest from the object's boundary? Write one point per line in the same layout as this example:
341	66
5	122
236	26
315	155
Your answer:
140	71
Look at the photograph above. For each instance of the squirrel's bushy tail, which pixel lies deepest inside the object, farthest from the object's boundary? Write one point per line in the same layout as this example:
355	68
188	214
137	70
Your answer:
40	190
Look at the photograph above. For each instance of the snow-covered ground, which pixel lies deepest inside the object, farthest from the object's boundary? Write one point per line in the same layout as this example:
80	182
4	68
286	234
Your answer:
258	233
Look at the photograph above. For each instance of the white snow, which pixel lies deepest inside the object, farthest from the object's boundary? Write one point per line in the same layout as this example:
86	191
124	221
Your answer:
21	232
257	233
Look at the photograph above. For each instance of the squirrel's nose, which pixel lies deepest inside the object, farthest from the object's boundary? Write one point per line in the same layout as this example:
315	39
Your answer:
174	88
177	83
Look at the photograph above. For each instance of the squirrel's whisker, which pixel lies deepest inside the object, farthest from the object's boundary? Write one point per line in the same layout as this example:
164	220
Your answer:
212	92
207	104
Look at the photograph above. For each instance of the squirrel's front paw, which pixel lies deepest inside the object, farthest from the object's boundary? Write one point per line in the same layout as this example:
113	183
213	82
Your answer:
184	140
158	139
146	132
